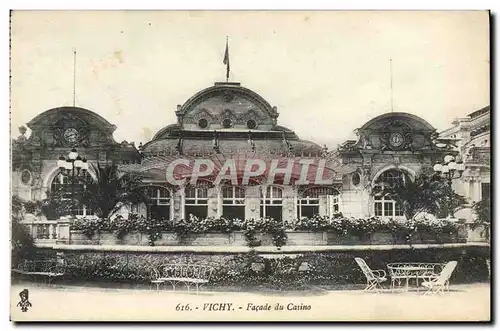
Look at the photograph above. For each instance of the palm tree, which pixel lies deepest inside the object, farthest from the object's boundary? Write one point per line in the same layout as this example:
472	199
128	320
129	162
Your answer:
424	194
111	189
482	211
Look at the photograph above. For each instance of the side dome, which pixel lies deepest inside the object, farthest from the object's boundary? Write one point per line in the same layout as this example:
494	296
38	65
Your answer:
396	131
71	127
412	121
76	113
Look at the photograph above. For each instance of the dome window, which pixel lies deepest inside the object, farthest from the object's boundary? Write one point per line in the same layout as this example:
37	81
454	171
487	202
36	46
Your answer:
251	124
203	123
227	123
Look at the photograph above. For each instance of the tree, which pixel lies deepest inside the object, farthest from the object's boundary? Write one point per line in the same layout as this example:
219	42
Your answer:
111	189
482	210
22	243
424	194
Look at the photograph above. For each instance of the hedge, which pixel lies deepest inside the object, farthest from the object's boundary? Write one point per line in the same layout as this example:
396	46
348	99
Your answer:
332	268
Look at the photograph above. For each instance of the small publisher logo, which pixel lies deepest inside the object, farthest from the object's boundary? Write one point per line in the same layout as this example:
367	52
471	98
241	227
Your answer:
24	303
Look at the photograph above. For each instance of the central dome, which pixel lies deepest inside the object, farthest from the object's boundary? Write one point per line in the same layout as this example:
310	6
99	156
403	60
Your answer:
232	117
227	106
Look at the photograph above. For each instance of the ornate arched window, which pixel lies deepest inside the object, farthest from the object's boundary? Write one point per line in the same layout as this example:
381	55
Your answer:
62	184
196	201
159	206
309	201
385	205
271	202
233	202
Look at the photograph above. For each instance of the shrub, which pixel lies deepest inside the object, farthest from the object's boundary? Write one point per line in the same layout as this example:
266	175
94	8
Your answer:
282	273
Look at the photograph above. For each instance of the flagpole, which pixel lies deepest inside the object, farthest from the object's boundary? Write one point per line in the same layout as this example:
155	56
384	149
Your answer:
226	59
74	77
392	98
227	49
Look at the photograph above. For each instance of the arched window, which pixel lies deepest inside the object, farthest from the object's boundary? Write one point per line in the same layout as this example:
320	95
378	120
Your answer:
309	201
271	203
62	184
233	202
159	207
196	201
385	205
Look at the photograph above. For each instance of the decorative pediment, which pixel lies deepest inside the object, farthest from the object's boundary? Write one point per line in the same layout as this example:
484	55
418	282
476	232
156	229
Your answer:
394	132
227	101
70	127
199	114
250	115
226	114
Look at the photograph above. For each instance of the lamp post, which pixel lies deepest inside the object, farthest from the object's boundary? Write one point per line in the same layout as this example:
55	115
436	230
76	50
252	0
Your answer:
73	166
449	170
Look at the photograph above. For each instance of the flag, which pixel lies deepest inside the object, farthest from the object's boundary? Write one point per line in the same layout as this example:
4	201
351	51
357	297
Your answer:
226	60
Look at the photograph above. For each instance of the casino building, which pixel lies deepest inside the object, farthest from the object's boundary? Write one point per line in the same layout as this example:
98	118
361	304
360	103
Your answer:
227	121
473	140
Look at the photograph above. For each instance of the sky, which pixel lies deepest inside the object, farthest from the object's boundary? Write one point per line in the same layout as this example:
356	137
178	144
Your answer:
327	72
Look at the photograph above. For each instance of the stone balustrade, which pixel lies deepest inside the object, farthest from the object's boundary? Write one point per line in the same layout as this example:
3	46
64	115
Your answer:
45	231
59	232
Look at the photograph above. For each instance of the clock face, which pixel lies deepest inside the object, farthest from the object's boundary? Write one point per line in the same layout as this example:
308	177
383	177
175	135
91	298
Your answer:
71	135
396	139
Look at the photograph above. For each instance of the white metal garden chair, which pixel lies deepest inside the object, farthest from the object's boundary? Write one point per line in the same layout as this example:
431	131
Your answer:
374	278
437	284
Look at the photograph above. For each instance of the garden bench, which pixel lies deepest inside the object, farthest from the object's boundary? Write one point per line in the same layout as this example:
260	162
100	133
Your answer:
47	269
187	274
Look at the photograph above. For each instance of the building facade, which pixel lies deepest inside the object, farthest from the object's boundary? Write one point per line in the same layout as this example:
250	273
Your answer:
471	135
54	133
228	124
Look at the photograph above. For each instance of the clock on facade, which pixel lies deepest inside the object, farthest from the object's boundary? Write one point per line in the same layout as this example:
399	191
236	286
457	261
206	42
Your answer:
71	135
396	139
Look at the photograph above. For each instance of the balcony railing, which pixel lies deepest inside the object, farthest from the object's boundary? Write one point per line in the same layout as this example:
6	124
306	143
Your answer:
481	155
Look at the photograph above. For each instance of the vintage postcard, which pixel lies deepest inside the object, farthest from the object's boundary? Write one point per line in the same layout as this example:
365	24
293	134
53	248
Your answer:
250	166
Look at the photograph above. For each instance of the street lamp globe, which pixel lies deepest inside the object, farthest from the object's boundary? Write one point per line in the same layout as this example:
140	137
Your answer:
446	169
460	166
78	163
448	158
85	164
73	154
61	163
68	166
452	165
438	167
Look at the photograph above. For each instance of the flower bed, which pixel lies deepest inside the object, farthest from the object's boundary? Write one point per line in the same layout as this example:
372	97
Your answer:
317	230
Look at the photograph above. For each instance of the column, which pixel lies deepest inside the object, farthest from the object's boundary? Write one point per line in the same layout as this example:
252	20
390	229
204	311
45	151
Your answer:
289	212
178	201
252	202
63	230
214	202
